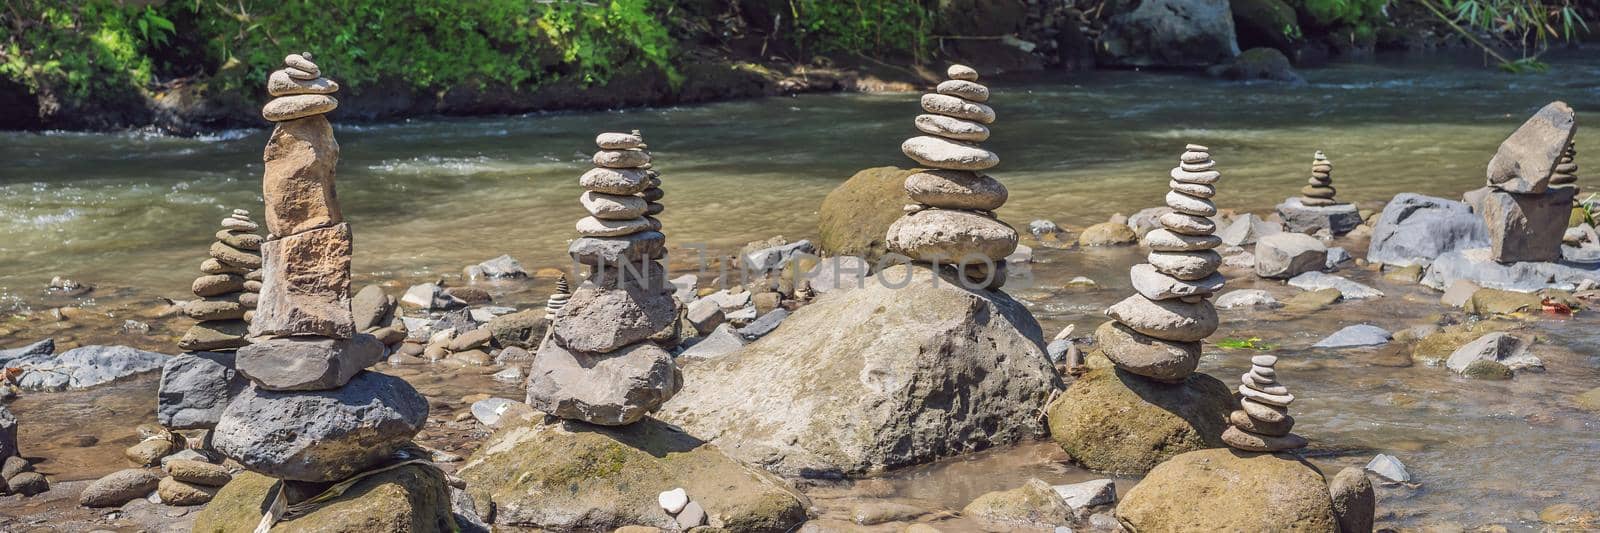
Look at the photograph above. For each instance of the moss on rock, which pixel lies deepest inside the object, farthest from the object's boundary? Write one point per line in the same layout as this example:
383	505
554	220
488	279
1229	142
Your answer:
1114	421
409	498
855	217
1229	490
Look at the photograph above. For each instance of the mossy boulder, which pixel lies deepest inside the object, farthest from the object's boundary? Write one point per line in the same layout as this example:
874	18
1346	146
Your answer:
409	498
1502	302
1590	401
1034	505
1229	490
1487	369
568	475
1269	23
1117	422
855	217
1107	234
1438	345
1260	63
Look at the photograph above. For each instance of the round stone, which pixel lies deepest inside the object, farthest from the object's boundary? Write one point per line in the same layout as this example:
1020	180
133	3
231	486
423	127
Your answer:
952	128
956	189
1264	360
1252	442
1242	420
596	227
1264	372
1141	354
1186	204
1315	191
961	72
1195	157
1195	148
943	153
1257	382
1317	202
951	236
1186	265
239	225
1263	412
621	158
1157	286
1199	177
1164	240
654	193
280	83
1197	190
964	89
951	106
612	206
1280	400
618	141
302	63
1187	224
1324	168
217	284
614	181
1166	319
285	108
1319	181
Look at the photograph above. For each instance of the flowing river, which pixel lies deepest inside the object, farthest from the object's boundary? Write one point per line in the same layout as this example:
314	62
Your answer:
134	213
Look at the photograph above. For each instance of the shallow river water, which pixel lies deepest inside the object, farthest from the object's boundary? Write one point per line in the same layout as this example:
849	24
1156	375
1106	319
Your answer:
134	213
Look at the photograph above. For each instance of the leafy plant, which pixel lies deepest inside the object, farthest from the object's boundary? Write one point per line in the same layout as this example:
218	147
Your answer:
1528	25
869	28
1252	343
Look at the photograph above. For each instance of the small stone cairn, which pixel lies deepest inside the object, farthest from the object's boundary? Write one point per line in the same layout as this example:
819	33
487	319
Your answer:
558	299
311	412
600	363
1264	423
1156	332
1319	192
1565	173
952	221
228	290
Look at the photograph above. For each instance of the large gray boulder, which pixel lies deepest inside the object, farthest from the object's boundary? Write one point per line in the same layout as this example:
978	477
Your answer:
1169	33
321	435
609	389
84	367
623	308
1286	255
195	388
904	371
1416	229
1479	267
1524	227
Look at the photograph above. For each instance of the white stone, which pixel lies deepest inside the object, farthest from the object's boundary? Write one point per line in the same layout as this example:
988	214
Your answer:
673	501
951	106
952	128
1389	468
938	152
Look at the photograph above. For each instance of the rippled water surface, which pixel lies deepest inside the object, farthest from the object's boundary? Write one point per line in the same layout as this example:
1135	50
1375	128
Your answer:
134	213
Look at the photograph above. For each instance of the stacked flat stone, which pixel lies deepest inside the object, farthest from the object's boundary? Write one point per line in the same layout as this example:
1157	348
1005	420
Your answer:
299	90
310	412
1264	423
1319	192
952	220
1156	332
558	299
228	290
600	363
1566	169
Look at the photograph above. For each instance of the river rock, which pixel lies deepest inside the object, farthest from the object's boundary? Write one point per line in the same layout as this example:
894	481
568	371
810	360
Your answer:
119	487
195	388
1525	161
175	492
1499	347
1524	227
722	340
915	342
1247	229
1169	33
1350	290
1223	490
298	182
197	472
215	335
838	273
1171	320
28	484
954	107
8	435
1389	468
952	128
551	477
955	189
595	227
370	308
613	251
1479	267
621	181
1117	422
1246	298
1147	356
612	206
1354	502
307	363
1034	505
307	285
1186	265
1355	336
83	367
1082	496
215	308
610	389
280	83
1415	229
855	216
943	153
600	319
1299	217
951	236
522	329
503	267
324	435
408	498
1107	234
621	158
773	258
1286	255
1157	286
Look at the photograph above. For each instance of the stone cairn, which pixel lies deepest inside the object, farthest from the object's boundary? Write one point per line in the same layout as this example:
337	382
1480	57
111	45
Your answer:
1527	201
1263	424
953	221
228	290
558	299
310	413
600	363
1156	332
1319	192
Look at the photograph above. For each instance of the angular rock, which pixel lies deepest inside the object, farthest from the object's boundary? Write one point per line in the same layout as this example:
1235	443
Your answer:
1338	219
1034	505
1388	467
1186	265
951	236
1114	421
1157	359
1355	336
613	251
1499	347
775	257
600	319
719	342
325	435
1224	490
1286	255
503	267
308	363
1169	33
1088	494
298	184
522	329
44	347
408	498
1170	320
873	379
370	308
1524	227
1479	267
307	285
195	388
215	335
609	389
1525	160
1247	229
1415	229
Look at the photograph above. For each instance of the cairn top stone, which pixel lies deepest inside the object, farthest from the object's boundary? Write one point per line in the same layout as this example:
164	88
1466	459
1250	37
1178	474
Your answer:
299	90
1525	160
962	72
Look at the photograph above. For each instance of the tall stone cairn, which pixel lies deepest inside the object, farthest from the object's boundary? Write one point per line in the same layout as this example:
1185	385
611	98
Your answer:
1566	171
228	290
952	221
1264	423
600	363
1319	191
311	412
1156	332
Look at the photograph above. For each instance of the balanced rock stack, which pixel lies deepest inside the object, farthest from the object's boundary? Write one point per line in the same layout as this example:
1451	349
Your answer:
1156	332
1319	192
558	299
1527	201
600	363
228	290
1316	209
311	412
299	90
952	221
1264	423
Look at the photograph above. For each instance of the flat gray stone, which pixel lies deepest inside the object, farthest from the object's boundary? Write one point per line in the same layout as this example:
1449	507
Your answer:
769	259
1350	290
1338	219
1286	255
764	324
195	388
1355	336
307	363
1525	160
1478	266
1416	229
1088	494
1500	347
723	340
608	389
83	367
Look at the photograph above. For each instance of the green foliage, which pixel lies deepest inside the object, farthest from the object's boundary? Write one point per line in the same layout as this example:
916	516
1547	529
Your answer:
1529	25
1359	14
870	28
1252	343
83	48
